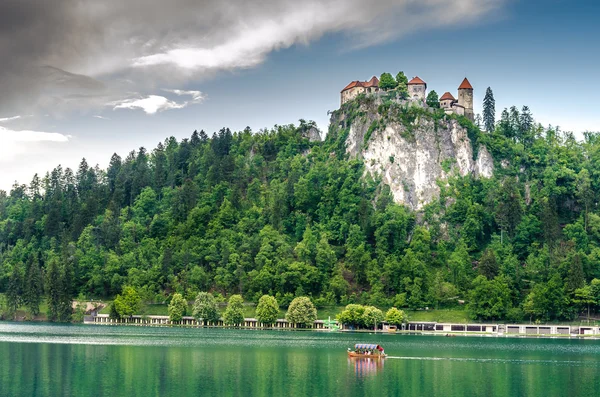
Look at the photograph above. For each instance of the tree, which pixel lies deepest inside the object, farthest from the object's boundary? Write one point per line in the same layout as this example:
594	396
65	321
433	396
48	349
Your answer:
234	313
488	264
489	111
352	315
14	290
372	317
585	296
489	299
301	312
387	82
395	316
433	99
205	308
53	289
402	83
129	303
33	288
177	308
584	193
267	309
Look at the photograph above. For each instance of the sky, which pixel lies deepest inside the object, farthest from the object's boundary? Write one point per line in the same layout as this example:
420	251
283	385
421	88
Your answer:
88	78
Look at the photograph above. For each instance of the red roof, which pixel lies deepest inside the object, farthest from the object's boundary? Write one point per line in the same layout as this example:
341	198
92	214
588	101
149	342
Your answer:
465	85
416	80
447	96
374	82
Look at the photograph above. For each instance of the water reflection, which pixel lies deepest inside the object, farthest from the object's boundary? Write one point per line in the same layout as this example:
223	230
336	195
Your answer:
366	366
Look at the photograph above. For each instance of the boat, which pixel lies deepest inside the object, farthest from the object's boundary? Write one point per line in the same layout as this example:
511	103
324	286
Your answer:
365	350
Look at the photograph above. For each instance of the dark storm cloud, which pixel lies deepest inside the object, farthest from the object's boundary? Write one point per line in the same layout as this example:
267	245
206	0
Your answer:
54	50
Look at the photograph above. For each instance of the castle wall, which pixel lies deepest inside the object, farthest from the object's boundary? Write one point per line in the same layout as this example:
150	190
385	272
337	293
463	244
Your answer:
352	93
465	98
446	104
458	110
417	91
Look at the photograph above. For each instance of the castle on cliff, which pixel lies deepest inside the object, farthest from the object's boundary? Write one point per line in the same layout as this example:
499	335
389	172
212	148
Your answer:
417	91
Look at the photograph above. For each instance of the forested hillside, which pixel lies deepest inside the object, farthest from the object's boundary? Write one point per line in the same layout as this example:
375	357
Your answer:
271	212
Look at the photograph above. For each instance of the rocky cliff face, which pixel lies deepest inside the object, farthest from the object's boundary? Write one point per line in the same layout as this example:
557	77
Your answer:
410	147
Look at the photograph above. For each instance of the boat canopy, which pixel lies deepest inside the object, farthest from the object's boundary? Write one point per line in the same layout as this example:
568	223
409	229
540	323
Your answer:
366	346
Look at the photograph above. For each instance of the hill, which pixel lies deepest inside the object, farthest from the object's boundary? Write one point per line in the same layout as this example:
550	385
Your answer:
507	220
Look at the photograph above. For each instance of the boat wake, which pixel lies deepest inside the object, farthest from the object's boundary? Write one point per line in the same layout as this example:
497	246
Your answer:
502	360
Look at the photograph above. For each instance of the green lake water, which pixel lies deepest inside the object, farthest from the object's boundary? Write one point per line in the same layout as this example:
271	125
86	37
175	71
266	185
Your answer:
56	360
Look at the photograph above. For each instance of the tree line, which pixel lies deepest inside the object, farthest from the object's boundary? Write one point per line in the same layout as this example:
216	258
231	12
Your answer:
272	213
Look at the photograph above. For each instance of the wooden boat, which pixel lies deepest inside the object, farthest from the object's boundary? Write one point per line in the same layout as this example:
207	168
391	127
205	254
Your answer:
364	350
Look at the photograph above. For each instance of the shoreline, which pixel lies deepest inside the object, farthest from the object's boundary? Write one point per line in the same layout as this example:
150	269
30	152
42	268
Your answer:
411	328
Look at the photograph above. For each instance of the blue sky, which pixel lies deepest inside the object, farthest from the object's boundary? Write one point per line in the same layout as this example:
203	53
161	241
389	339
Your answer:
543	54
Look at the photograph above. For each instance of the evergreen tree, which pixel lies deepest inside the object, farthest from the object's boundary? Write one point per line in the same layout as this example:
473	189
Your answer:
489	110
54	289
432	99
402	84
33	288
14	290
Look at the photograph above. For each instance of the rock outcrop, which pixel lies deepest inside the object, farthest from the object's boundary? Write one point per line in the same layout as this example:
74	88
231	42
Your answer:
412	148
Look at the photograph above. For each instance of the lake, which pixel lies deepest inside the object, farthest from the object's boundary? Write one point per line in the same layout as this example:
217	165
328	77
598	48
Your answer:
79	360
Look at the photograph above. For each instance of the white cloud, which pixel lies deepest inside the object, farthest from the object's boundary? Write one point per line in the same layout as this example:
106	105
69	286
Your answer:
100	117
14	143
150	104
197	96
8	119
153	104
249	38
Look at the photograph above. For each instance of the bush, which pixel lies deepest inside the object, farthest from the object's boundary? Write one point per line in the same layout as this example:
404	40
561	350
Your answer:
128	304
267	309
234	314
372	316
177	308
352	316
301	311
395	316
205	308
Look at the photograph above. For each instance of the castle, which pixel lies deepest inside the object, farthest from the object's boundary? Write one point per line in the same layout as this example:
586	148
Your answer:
417	90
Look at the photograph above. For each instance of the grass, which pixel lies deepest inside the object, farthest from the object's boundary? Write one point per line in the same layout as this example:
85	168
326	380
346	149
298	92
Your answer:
440	316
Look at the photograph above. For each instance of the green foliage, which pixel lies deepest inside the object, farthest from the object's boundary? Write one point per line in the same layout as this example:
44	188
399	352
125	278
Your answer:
489	111
395	316
269	212
433	100
352	316
205	308
301	311
177	308
387	82
234	313
372	316
489	299
267	309
128	303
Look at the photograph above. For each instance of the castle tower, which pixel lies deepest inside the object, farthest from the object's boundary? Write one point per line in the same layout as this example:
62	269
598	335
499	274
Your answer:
417	89
465	98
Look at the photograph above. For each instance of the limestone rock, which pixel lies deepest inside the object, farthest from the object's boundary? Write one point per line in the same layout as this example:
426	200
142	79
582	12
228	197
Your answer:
412	157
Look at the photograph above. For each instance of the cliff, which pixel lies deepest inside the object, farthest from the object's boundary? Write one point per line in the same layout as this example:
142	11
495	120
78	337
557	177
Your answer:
411	147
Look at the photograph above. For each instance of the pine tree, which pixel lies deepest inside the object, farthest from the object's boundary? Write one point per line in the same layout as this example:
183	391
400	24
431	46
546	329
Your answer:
489	110
14	291
53	289
33	286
